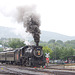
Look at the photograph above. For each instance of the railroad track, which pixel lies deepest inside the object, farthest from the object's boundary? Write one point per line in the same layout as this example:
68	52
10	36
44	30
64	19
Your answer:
21	70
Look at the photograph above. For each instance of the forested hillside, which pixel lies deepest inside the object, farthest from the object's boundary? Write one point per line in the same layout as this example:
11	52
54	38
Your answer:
6	32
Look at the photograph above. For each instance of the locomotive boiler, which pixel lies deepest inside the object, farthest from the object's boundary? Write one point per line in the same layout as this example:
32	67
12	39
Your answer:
27	56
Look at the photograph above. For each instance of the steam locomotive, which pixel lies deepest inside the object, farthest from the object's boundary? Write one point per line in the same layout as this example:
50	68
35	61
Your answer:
27	56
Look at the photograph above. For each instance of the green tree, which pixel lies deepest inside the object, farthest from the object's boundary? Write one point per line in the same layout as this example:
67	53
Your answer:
60	42
43	44
65	52
0	42
61	50
15	43
56	53
71	52
1	49
51	41
46	49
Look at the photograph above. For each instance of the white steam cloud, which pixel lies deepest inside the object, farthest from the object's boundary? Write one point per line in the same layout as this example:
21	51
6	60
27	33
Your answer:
30	20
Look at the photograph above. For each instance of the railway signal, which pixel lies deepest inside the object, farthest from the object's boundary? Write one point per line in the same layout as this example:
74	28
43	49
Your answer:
47	58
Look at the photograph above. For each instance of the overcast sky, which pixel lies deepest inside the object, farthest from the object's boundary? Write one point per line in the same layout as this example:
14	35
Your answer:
56	15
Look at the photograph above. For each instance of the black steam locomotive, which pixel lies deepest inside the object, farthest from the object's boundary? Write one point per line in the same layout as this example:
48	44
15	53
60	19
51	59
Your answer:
27	56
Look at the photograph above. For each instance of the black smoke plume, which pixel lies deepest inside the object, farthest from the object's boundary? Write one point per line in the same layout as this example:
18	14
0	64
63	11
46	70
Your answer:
31	21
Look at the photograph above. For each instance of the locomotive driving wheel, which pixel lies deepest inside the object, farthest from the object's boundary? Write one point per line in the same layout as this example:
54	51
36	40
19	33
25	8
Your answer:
23	61
28	62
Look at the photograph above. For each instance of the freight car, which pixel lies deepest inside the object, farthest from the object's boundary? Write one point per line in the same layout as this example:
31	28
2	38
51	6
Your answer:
27	56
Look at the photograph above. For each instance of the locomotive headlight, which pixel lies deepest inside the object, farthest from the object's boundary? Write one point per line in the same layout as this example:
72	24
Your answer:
38	52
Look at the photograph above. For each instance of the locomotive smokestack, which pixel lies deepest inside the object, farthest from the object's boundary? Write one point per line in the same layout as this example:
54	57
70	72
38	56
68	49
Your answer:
37	44
31	22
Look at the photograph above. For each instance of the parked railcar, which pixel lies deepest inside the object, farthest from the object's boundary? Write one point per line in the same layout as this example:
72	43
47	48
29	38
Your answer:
2	57
28	56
